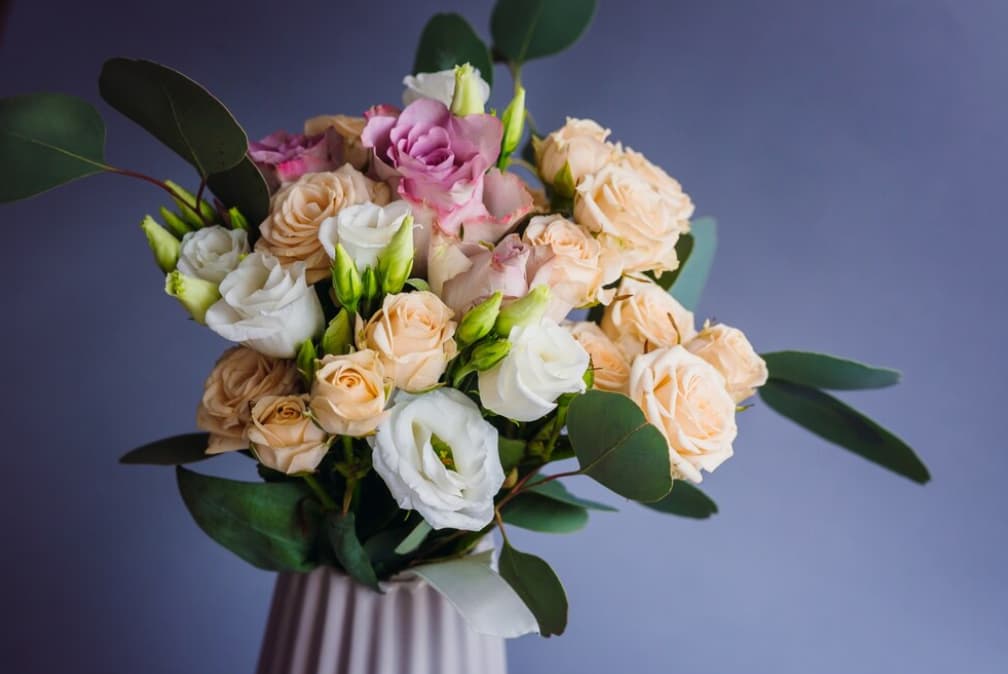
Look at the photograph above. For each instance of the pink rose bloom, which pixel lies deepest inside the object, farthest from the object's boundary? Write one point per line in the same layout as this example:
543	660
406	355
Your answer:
283	157
502	269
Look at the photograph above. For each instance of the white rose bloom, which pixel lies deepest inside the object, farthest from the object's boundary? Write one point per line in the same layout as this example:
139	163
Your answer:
267	307
545	361
211	253
364	230
438	456
439	86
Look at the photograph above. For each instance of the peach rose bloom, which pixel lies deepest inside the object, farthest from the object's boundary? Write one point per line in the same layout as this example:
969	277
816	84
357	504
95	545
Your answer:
297	210
413	334
240	377
686	399
349	130
284	437
643	317
581	143
610	367
348	394
731	354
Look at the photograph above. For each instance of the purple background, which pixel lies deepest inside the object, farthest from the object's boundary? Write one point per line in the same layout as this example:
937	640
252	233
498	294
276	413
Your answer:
855	155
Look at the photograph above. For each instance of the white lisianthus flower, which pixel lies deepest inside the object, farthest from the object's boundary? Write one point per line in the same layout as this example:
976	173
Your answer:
267	307
438	456
544	362
364	230
439	86
211	253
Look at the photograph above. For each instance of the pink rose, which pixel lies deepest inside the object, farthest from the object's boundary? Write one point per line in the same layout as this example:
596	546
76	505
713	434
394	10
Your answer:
502	269
283	157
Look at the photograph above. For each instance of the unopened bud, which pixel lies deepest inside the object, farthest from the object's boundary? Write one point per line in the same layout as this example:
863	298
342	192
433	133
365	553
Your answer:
468	96
396	262
195	294
524	311
488	354
338	335
479	321
162	243
346	280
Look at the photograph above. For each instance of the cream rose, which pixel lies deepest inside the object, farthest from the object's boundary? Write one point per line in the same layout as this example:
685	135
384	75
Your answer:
240	377
297	210
211	253
685	398
349	131
632	218
413	334
364	230
571	262
731	354
581	143
643	317
284	437
610	367
348	394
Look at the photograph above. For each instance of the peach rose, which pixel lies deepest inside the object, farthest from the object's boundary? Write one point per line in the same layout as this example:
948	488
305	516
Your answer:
685	398
348	129
348	394
414	336
610	367
643	317
297	210
284	437
571	262
657	178
633	218
731	354
579	142
240	377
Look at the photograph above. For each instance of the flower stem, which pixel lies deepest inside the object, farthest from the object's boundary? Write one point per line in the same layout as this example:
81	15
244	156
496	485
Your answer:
162	185
327	502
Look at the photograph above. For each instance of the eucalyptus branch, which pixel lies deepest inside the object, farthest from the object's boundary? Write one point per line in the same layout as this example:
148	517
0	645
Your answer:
160	183
327	502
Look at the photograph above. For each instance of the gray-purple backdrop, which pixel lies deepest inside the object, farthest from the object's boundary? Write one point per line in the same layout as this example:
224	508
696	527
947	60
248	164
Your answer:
854	153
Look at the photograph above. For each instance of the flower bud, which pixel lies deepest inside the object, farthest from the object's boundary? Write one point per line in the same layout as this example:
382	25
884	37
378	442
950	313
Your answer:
237	220
563	181
514	123
346	280
185	199
338	336
479	321
524	311
396	262
369	284
196	295
162	243
488	354
467	98
176	224
306	357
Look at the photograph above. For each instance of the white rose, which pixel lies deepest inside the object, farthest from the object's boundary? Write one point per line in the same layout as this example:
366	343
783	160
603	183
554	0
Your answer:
544	362
212	253
267	307
731	354
686	399
439	86
364	230
438	456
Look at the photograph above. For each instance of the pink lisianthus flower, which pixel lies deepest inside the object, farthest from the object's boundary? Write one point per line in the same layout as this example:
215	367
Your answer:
503	269
283	157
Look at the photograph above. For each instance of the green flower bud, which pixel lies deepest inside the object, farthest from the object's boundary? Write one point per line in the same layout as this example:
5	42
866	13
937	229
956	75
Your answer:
185	199
563	181
488	354
162	243
346	280
195	294
479	321
338	336
525	311
236	219
176	224
396	262
306	357
514	124
467	99
369	284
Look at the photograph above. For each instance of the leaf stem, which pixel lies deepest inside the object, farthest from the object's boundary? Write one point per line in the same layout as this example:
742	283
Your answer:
327	502
500	525
162	185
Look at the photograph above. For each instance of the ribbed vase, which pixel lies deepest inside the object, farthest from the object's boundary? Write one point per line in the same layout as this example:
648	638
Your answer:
324	623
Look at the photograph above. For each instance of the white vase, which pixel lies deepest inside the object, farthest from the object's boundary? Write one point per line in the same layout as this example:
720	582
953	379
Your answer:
324	623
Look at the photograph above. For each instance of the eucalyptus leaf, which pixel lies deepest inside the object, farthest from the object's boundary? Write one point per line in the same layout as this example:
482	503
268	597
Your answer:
243	187
683	248
689	280
558	492
616	446
527	29
173	451
47	140
342	532
175	110
538	586
685	500
511	452
448	41
820	370
840	424
263	523
540	513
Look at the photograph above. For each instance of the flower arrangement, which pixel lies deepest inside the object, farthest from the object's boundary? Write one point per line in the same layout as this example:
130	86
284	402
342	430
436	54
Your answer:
428	313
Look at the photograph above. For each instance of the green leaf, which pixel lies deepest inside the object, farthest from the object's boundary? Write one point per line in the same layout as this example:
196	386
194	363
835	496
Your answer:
351	555
414	539
556	491
263	523
540	513
243	187
690	278
448	41
538	586
511	452
683	247
820	370
834	421
175	110
173	451
616	446
527	29
685	500
47	140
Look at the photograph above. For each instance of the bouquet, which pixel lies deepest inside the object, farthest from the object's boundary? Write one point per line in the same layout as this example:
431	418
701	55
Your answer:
429	305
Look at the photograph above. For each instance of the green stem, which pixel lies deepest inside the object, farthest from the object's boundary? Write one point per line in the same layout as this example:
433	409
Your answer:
500	525
327	502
